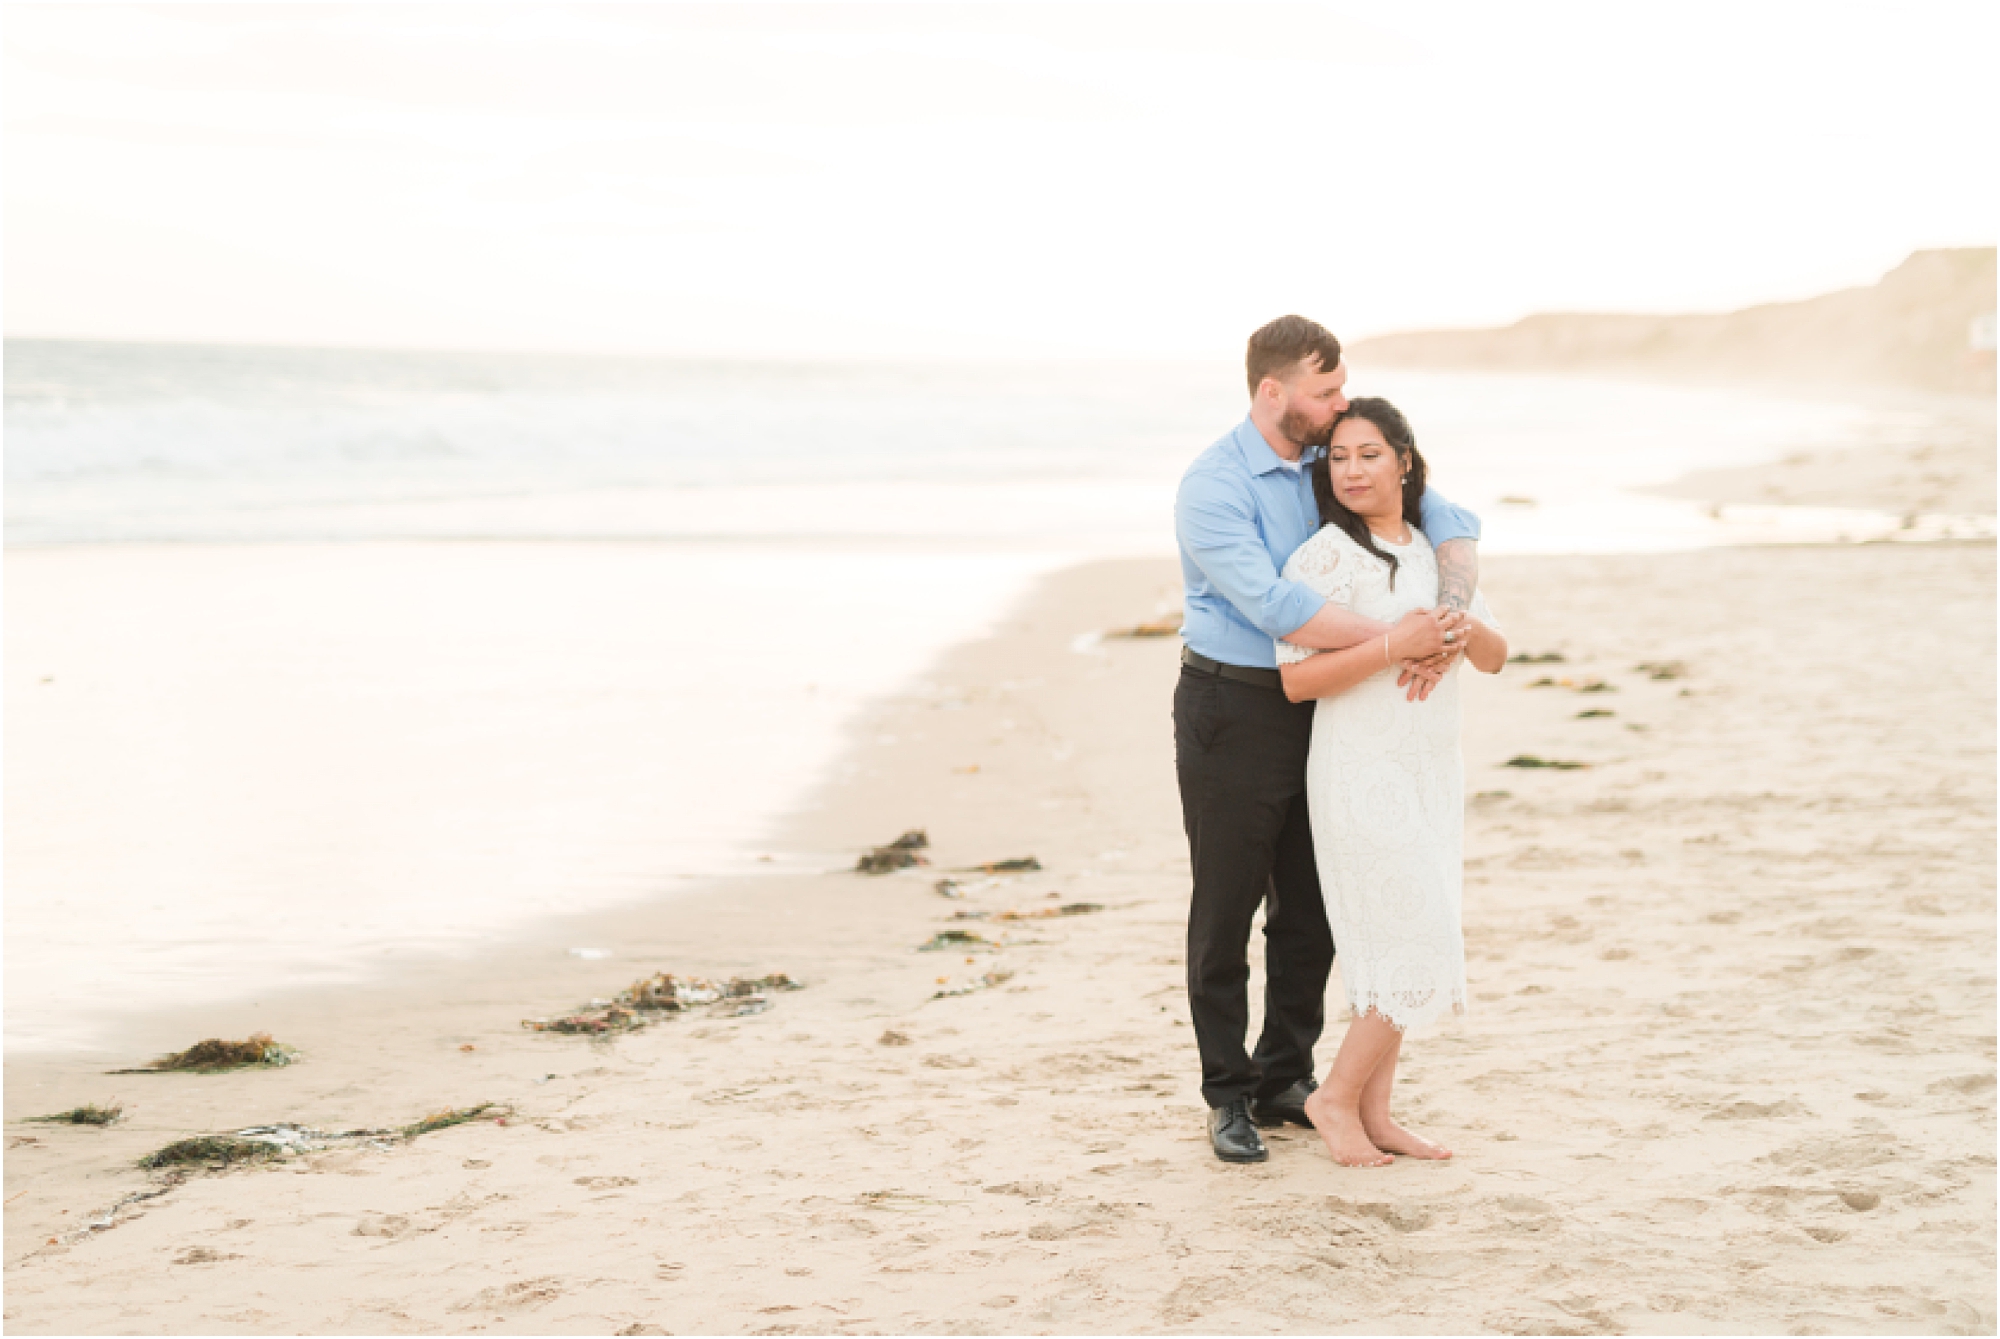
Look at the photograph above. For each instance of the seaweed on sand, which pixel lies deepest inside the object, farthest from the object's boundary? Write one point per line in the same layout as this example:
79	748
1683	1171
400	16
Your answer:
1166	625
1544	658
88	1114
445	1119
986	982
1044	913
262	1143
1530	760
956	939
898	854
1026	864
211	1150
664	993
215	1056
1575	685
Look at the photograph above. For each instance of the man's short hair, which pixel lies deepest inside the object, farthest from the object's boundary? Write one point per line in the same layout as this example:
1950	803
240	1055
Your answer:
1286	342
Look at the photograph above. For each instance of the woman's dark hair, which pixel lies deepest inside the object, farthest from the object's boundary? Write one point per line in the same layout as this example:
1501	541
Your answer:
1395	430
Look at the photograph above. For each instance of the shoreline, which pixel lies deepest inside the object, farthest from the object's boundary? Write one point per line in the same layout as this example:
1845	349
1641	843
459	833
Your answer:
1948	470
1756	875
1956	474
266	765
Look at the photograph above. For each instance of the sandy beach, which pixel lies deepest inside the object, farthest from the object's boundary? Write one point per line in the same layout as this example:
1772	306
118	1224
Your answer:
1731	1067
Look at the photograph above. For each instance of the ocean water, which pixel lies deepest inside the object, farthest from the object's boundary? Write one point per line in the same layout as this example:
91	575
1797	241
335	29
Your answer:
120	443
264	727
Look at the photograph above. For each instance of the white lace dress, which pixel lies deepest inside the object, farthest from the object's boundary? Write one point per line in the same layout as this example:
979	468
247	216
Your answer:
1386	788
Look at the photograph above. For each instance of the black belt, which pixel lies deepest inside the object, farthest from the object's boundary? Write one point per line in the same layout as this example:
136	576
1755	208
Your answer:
1201	664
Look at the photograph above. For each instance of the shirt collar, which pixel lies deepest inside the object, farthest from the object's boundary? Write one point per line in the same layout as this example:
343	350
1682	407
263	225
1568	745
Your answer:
1257	453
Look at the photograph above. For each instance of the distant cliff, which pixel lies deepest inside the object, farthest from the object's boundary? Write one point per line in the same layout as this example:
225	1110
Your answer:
1913	330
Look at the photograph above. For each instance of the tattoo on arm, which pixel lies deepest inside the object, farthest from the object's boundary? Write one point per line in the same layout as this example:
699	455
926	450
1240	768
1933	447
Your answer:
1458	573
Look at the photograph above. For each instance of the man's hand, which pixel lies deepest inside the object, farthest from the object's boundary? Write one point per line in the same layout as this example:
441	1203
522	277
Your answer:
1421	634
1422	673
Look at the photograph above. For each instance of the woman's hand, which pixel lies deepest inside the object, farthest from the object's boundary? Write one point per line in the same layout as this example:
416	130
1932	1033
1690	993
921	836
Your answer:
1485	647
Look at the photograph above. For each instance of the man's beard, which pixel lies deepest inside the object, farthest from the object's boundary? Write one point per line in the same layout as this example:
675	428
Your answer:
1296	427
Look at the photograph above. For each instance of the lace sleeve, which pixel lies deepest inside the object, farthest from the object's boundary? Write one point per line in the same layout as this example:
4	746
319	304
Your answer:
1292	655
1319	565
1483	612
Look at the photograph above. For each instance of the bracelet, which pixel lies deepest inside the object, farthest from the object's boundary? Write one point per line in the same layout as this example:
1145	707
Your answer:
1385	650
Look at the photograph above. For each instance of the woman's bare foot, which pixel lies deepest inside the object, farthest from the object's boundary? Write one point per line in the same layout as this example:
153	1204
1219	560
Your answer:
1390	1137
1341	1129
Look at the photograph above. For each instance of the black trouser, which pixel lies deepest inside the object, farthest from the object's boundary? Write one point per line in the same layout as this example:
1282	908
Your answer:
1240	751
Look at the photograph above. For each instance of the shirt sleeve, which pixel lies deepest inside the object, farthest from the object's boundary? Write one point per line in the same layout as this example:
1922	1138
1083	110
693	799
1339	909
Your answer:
1217	527
1443	521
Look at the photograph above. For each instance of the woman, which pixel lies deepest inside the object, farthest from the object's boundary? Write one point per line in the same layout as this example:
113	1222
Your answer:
1384	781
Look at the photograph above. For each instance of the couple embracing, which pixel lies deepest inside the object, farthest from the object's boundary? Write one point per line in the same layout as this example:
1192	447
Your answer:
1329	596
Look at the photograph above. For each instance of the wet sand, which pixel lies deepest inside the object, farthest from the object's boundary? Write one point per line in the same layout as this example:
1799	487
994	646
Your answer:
1946	469
1731	1066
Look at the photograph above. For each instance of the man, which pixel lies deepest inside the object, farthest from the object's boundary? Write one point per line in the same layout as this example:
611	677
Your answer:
1240	747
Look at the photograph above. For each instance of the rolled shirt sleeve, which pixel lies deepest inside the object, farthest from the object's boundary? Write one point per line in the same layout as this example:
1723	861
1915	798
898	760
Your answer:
1443	521
1216	523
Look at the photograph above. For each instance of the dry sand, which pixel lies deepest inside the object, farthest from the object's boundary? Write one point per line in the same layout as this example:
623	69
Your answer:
1731	1066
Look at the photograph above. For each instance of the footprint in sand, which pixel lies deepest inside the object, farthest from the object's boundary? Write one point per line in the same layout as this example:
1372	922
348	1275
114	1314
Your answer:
1026	1189
201	1255
382	1225
1680	1207
524	1294
605	1182
1758	1110
1402	1217
1837	1153
950	1062
1524	1204
1525	1214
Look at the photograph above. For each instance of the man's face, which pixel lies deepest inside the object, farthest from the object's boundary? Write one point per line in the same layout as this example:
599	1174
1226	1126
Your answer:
1309	401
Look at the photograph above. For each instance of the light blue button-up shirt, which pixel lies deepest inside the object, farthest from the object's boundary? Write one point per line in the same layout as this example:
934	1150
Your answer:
1239	515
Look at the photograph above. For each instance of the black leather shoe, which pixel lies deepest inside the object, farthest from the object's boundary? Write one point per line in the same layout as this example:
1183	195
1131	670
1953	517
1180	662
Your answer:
1289	1105
1234	1137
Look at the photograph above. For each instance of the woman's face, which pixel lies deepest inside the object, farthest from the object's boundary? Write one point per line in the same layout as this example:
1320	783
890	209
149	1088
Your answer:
1366	472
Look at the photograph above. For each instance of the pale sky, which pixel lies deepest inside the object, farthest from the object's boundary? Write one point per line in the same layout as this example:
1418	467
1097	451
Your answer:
942	180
